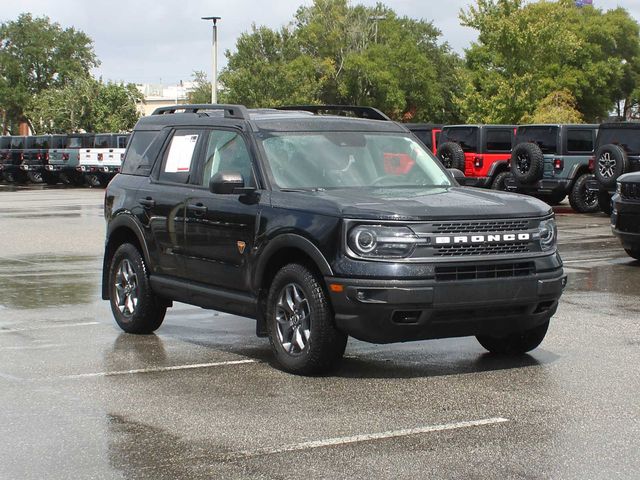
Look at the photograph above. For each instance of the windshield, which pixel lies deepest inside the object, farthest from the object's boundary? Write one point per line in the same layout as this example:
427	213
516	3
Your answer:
350	159
545	137
627	138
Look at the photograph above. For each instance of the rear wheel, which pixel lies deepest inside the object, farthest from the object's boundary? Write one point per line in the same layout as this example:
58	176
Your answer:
50	178
95	180
604	200
581	199
135	307
35	177
499	181
515	343
300	323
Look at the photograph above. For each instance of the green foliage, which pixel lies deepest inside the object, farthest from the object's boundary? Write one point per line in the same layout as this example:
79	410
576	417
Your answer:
557	107
527	51
336	53
36	55
202	91
85	104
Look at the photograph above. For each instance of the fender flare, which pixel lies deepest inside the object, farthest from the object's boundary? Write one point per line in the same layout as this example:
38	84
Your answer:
499	165
289	240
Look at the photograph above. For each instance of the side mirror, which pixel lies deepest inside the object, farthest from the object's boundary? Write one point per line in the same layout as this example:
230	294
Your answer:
225	183
458	175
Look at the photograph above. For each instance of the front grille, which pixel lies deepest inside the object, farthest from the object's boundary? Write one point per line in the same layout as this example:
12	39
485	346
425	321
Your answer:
481	226
475	272
499	248
630	191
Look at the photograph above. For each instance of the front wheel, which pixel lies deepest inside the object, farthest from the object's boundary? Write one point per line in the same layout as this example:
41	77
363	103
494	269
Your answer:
633	252
515	343
133	303
300	323
583	200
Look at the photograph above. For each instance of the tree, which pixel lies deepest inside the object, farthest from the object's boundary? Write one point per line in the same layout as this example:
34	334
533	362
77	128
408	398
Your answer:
557	107
527	51
85	104
36	55
202	91
336	53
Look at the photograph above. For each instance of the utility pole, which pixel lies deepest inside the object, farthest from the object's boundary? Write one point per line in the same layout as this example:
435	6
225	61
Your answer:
214	59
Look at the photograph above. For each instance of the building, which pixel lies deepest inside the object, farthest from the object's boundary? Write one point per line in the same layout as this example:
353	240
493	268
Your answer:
157	95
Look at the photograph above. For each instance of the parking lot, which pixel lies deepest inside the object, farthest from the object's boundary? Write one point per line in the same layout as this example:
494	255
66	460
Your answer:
201	398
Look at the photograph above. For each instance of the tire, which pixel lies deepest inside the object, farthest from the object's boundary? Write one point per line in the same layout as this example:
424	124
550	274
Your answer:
604	200
15	177
611	162
582	200
451	155
135	307
304	338
633	252
527	163
50	178
515	343
95	180
499	181
35	177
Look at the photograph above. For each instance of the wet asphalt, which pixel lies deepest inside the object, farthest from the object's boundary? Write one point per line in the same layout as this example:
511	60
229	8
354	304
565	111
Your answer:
201	398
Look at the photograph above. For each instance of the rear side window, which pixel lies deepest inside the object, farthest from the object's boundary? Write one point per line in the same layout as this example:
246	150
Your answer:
58	142
178	159
580	141
5	142
142	152
425	137
122	141
41	142
102	141
31	143
74	142
627	138
467	137
17	142
545	137
499	140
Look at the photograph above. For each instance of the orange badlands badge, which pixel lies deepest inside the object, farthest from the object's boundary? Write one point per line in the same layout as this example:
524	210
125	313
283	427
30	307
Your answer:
241	246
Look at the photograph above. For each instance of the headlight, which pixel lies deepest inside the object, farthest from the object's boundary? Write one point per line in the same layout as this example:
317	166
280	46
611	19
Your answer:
547	234
378	241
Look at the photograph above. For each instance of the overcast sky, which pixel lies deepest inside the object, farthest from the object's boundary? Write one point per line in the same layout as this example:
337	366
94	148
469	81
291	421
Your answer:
148	41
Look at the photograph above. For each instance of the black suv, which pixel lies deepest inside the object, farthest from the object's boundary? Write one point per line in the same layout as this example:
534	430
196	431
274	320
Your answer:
625	218
617	153
320	227
552	161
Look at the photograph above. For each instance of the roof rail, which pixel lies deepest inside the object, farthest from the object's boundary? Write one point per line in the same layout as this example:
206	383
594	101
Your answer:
360	112
230	111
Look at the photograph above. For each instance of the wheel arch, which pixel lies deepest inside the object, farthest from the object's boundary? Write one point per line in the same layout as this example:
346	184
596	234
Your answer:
122	229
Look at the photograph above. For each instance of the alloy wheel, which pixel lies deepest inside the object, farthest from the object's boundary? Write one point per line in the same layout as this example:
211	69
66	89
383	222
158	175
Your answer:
606	165
293	319
126	288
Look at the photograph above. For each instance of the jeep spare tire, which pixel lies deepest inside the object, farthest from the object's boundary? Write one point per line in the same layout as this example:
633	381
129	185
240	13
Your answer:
451	155
527	163
611	162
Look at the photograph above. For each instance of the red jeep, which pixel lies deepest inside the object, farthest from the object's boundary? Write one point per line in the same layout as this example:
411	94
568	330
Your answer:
482	152
427	133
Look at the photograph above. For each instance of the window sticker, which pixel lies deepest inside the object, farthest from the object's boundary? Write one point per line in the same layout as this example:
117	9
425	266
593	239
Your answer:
180	153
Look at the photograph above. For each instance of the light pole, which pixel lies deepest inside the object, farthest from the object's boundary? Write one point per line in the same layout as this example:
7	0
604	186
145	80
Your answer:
214	59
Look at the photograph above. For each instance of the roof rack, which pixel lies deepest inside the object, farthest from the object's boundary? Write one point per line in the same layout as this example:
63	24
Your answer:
360	112
230	111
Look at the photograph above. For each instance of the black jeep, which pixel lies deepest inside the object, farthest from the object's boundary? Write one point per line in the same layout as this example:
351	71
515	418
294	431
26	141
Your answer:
320	227
617	153
552	161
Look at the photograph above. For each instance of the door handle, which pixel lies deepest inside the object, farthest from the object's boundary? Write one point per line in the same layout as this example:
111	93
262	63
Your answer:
147	202
198	208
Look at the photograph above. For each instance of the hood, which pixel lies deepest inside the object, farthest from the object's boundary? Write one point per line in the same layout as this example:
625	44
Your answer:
414	204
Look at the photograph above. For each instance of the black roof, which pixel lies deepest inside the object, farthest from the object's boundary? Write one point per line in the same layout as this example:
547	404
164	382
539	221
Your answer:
583	125
621	125
422	126
480	125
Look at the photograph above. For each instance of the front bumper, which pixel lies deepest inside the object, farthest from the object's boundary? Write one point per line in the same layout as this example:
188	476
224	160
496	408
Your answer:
625	222
387	311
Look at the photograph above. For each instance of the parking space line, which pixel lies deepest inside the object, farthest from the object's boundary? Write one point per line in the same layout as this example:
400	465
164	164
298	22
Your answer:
46	327
158	369
332	442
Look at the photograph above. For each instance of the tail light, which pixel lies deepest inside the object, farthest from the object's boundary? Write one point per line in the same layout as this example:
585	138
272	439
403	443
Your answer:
65	156
39	156
46	156
478	162
592	164
558	164
100	157
21	156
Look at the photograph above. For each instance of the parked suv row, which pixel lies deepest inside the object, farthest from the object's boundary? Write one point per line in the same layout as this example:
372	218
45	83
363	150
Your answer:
73	159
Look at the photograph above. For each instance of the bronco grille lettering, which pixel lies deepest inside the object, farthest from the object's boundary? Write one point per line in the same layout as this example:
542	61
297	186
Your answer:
461	239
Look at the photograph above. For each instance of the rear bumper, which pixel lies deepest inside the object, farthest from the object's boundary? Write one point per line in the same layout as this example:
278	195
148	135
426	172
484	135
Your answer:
480	182
98	169
550	186
387	311
59	168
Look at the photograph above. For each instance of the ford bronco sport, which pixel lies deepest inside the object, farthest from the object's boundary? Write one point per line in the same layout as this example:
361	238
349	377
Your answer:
617	152
321	227
625	218
482	152
552	161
